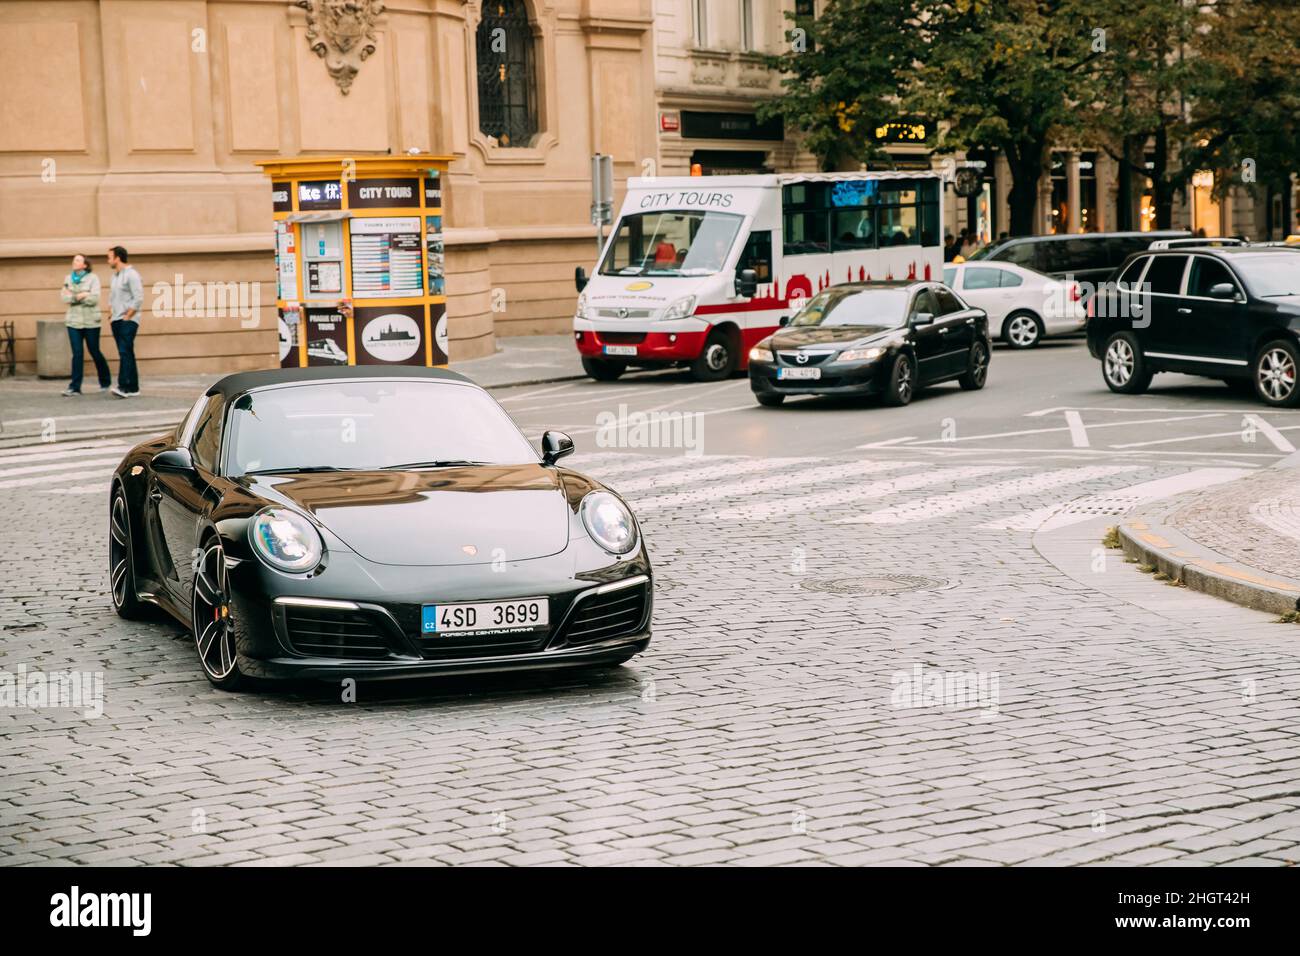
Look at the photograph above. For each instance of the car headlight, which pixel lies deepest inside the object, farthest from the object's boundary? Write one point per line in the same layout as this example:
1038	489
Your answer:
680	309
609	522
760	353
285	540
861	355
581	311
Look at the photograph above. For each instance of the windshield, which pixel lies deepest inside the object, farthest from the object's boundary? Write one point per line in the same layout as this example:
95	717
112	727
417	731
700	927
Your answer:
855	307
358	425
671	244
1270	274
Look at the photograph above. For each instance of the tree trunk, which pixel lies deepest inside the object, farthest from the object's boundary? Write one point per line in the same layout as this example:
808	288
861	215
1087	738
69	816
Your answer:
1026	164
1160	185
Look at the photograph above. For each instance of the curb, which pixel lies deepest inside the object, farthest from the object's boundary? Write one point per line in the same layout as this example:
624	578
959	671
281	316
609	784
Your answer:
1202	569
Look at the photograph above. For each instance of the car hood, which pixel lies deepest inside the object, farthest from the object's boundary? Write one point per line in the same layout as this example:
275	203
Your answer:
439	516
837	335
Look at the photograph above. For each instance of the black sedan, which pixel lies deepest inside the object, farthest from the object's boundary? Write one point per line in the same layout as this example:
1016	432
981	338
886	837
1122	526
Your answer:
1229	312
873	338
372	523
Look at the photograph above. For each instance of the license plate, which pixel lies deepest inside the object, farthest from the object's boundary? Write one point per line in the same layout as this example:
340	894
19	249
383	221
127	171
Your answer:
620	350
492	617
798	373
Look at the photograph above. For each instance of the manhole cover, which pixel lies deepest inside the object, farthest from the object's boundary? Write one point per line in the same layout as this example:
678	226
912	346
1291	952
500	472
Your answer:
873	584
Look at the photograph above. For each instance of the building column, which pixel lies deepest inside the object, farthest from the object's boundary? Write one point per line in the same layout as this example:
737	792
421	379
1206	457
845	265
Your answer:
1074	222
1001	189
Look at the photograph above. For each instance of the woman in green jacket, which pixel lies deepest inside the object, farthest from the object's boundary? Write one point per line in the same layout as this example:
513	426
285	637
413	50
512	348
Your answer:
81	293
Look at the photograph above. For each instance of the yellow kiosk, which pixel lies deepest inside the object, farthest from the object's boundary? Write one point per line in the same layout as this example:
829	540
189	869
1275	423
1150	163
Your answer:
359	259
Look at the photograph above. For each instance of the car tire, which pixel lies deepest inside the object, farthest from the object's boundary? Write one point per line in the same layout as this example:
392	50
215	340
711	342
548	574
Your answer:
212	623
1022	330
717	360
901	384
121	560
769	399
1123	366
603	370
977	368
1274	374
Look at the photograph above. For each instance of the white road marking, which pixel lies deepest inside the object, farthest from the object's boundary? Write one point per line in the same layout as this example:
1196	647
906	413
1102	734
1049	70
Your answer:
97	488
53	450
1145	410
59	466
1064	513
855	493
677	474
1065	428
540	391
821	474
1078	432
1239	433
749	406
937	506
662	463
1272	434
47	479
161	413
888	442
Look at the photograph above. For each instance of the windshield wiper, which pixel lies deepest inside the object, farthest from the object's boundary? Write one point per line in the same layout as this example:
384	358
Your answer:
437	463
304	469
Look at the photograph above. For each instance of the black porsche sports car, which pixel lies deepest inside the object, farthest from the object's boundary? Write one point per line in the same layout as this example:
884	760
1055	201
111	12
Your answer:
372	523
886	338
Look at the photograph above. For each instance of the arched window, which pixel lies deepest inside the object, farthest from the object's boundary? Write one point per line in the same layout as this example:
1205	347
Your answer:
507	79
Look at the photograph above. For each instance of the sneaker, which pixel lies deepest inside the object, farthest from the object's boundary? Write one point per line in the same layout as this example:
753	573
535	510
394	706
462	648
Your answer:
104	388
135	394
70	392
117	392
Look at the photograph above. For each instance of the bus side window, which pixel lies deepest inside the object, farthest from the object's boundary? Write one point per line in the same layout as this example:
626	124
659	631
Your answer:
805	232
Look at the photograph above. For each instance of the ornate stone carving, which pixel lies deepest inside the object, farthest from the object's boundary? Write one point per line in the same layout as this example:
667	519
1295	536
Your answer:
342	33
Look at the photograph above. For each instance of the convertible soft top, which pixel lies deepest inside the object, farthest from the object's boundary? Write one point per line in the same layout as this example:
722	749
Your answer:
241	382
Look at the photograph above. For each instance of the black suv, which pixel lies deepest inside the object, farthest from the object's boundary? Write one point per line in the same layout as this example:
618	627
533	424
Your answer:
1088	257
1231	313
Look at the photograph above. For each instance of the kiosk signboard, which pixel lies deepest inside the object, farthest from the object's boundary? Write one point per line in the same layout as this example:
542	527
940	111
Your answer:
364	230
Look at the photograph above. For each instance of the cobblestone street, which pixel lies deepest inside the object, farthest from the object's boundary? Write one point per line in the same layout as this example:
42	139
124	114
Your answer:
785	712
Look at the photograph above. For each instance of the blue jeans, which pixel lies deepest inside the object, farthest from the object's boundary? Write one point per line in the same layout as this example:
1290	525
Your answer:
128	379
90	339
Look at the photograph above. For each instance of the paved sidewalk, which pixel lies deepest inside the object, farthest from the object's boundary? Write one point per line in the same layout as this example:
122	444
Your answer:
33	408
1239	541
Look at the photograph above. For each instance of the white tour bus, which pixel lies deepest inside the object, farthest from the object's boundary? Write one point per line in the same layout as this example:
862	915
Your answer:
699	269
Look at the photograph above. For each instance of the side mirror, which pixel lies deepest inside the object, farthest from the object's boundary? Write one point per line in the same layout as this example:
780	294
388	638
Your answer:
555	445
173	461
580	278
1223	290
923	318
784	320
747	283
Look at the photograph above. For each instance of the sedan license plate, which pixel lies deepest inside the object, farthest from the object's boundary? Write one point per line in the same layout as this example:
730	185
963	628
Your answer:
798	373
620	350
494	617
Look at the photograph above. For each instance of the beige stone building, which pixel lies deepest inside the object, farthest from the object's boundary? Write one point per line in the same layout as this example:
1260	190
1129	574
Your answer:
137	122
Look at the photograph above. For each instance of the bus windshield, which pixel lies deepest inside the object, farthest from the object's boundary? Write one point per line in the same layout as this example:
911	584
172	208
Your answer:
672	243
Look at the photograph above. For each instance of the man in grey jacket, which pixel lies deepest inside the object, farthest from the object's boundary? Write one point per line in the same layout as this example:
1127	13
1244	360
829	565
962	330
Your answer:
125	299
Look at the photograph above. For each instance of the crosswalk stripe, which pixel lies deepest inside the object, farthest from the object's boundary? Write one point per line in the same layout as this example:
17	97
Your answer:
680	465
107	463
47	479
819	474
937	506
95	488
1064	513
168	415
856	493
59	453
676	475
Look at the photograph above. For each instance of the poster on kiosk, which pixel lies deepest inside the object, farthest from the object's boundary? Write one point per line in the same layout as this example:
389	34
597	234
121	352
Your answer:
359	260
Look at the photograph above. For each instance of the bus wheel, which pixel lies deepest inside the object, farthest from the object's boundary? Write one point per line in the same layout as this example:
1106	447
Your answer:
717	359
603	370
